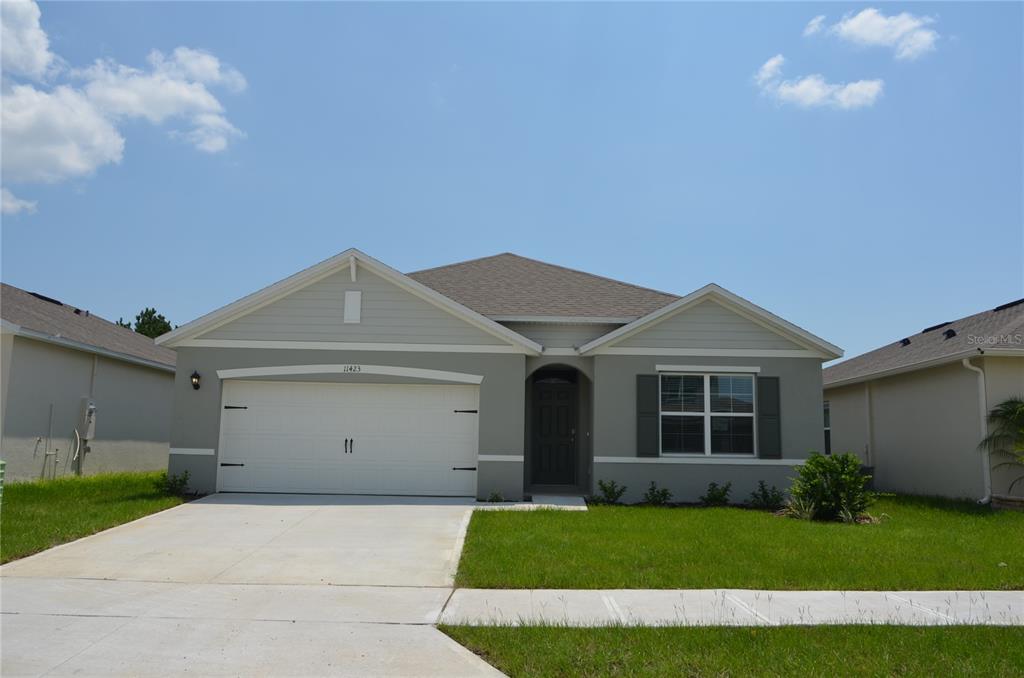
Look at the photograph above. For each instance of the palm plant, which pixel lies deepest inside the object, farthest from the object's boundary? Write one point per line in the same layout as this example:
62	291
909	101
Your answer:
1006	434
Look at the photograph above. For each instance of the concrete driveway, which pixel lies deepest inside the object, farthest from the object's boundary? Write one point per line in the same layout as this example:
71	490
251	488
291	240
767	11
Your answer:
246	585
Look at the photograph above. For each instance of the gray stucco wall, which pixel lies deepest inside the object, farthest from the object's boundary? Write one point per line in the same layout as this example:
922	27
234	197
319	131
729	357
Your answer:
196	420
133	411
615	399
925	426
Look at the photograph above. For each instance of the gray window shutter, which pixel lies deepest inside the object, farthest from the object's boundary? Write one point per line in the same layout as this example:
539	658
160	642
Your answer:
647	415
769	426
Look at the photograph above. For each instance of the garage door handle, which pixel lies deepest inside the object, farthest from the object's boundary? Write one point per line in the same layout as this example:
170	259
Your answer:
463	468
225	464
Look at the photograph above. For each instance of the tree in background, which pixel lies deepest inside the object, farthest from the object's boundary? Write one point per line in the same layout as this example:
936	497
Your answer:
149	323
122	323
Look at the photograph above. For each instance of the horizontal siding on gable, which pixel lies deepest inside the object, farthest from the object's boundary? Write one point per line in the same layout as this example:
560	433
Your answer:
552	335
708	325
389	315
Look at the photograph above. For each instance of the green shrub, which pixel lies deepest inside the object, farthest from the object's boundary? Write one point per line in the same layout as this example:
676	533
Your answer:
801	509
716	495
657	496
496	497
172	484
834	485
767	498
611	491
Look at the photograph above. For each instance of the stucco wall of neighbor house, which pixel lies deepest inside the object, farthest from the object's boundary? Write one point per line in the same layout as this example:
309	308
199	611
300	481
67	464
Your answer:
133	411
1004	379
6	351
849	418
925	428
689	481
615	399
196	419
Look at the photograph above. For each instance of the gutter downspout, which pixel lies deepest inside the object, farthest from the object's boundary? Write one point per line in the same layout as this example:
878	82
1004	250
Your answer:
986	469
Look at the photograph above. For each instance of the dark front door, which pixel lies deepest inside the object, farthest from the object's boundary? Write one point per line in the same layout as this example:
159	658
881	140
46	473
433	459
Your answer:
553	460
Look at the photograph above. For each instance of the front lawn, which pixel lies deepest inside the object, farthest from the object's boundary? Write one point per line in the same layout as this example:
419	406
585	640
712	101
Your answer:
37	515
920	544
723	651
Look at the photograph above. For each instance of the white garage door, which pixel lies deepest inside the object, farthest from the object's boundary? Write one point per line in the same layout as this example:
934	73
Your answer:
348	438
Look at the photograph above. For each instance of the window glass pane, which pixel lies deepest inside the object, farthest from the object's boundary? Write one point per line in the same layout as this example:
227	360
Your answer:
682	435
671	393
732	394
693	393
732	435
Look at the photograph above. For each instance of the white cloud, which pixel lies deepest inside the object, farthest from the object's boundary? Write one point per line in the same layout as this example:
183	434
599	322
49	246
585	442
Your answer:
814	25
907	34
813	91
770	70
52	132
12	204
24	46
50	136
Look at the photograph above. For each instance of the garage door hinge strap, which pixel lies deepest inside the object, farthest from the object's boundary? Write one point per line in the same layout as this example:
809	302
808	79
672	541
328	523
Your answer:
465	411
463	468
236	407
229	464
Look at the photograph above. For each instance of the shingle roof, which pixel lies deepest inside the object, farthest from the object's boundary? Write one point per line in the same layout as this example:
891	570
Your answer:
67	322
998	328
510	285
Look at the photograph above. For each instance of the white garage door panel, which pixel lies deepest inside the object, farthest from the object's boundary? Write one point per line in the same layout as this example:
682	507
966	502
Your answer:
291	438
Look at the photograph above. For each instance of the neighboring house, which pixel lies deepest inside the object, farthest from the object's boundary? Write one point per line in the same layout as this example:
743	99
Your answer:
915	409
498	375
56	359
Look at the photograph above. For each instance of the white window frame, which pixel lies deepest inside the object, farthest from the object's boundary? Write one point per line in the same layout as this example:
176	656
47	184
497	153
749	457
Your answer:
707	414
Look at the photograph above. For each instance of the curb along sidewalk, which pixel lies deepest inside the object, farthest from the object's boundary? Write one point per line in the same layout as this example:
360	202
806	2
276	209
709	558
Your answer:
730	607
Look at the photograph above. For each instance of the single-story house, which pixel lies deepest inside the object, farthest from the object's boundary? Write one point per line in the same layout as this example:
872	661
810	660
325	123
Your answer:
60	362
916	409
502	375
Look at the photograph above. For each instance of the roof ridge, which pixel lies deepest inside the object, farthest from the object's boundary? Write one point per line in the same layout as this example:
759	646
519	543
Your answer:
557	266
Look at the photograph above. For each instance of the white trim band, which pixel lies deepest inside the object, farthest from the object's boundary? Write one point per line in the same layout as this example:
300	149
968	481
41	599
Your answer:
349	346
196	451
387	370
501	457
743	369
701	459
714	352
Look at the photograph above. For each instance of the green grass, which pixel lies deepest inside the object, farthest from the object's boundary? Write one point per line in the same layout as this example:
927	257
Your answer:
920	544
37	515
722	651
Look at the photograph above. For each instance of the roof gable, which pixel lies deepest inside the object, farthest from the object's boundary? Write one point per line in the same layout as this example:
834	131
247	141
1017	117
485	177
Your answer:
765	331
347	261
510	287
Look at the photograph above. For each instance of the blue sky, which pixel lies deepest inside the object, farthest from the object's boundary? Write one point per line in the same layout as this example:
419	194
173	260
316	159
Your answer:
630	140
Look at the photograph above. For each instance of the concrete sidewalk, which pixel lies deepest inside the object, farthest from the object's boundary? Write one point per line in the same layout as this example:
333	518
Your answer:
731	607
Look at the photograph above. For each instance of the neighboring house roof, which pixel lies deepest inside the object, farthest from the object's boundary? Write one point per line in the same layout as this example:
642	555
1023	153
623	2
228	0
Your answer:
39	317
996	331
340	262
510	287
732	301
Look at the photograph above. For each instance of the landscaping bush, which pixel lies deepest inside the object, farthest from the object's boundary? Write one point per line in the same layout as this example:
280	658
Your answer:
172	484
833	487
767	498
716	495
496	497
611	491
657	496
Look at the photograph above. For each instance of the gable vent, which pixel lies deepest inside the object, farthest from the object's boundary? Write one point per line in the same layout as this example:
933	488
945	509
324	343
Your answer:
949	334
904	342
1009	305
